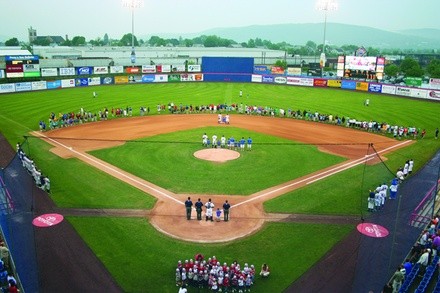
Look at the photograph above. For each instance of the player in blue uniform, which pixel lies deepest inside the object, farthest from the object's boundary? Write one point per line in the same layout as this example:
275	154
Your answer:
249	143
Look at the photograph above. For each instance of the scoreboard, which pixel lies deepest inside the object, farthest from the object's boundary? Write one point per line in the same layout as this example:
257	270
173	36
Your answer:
361	67
22	66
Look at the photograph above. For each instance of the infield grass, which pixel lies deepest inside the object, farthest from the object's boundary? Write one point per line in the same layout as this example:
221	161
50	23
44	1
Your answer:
167	160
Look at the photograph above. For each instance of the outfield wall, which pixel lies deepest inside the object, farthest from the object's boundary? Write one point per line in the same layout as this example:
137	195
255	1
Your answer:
139	75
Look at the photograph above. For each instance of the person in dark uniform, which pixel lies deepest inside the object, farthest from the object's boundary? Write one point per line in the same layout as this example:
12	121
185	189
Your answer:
226	207
188	206
199	205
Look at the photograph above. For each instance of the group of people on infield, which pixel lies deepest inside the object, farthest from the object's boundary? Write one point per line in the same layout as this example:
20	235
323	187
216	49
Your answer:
216	277
40	180
230	143
209	206
378	196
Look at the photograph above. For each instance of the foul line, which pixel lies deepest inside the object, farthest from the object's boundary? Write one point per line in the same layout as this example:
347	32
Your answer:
321	175
110	168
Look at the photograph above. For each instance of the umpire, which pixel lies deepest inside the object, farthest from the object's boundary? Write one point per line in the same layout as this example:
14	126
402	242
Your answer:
226	207
188	206
199	205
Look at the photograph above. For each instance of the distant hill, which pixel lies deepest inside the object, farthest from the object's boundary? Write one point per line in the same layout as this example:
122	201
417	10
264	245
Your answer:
336	34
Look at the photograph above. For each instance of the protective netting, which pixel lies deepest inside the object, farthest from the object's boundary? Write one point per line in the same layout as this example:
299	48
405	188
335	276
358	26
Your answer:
16	215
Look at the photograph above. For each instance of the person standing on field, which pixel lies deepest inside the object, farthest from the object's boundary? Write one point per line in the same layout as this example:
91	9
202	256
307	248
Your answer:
226	207
188	206
199	205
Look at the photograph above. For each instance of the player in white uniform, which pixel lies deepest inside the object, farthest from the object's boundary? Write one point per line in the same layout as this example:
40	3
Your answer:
227	119
223	141
204	140
220	118
214	141
411	166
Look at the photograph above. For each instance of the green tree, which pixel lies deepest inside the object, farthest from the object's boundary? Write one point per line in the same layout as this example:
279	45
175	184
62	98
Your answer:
410	67
12	42
188	42
78	41
42	41
433	68
97	42
155	41
373	51
391	70
211	41
127	39
251	43
281	63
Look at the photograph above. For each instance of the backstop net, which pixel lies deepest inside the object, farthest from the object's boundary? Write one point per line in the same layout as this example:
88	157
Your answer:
16	215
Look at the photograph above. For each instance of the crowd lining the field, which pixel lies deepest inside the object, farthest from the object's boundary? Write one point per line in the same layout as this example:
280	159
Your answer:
42	181
72	118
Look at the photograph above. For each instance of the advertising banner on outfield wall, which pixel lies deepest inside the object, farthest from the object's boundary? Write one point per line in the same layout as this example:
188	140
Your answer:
174	78
31	68
67	71
39	85
161	78
116	69
403	91
433	95
277	70
53	84
375	87
256	78
336	83
31	74
294	71
362	86
148	68
434	83
413	81
2	73
348	84
100	70
81	81
194	68
306	81
419	93
280	79
261	69
107	80
23	86
388	89
178	68
132	70
7	88
163	68
267	79
84	70
190	77
94	80
121	79
134	78
49	72
66	83
293	80
320	82
148	78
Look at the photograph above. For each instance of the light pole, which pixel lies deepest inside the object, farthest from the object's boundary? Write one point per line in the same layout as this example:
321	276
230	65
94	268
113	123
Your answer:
132	4
325	5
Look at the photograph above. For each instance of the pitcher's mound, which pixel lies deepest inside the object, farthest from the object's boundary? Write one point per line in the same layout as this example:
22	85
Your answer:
217	155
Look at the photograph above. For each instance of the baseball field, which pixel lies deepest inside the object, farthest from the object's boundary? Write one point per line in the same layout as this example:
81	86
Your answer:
296	167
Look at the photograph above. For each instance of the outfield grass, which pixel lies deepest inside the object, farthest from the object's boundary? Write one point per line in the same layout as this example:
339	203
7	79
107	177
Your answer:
167	160
143	260
134	241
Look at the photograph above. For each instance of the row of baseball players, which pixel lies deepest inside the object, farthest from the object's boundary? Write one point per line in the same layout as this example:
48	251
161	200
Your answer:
230	143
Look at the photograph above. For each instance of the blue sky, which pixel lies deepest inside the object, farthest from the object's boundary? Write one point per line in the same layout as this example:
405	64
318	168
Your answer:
93	18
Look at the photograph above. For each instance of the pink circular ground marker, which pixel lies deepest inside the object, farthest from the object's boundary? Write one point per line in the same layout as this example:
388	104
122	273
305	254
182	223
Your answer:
372	230
47	220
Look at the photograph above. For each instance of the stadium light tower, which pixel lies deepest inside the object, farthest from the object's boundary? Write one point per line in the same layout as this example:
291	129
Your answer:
132	4
326	6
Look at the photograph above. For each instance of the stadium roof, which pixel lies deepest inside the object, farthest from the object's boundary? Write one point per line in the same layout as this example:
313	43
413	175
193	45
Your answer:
13	52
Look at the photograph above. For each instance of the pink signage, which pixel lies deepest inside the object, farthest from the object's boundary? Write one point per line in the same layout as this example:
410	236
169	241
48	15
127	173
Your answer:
372	230
47	220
